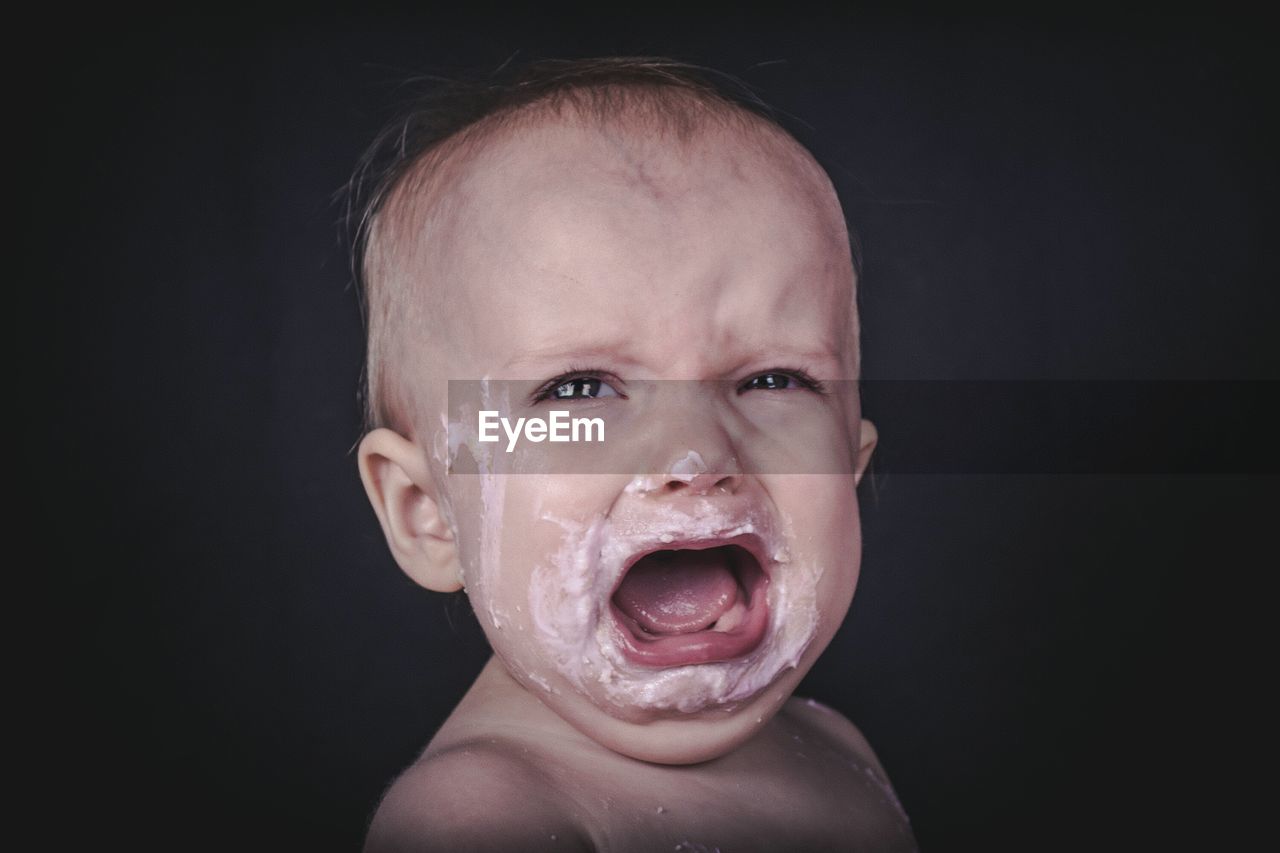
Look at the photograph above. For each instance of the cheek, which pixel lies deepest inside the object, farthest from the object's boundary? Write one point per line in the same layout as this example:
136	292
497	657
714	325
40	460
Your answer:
487	507
544	518
468	522
827	527
512	529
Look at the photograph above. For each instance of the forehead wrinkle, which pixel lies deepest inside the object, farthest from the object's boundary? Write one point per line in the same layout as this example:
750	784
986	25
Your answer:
739	343
820	259
442	203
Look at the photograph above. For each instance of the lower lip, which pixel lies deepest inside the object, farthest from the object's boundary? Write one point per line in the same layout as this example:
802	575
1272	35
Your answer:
695	647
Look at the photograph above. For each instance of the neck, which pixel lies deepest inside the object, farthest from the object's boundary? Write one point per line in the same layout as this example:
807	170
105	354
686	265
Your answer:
497	703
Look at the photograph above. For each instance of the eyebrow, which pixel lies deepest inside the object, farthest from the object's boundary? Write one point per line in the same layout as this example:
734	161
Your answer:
584	355
555	353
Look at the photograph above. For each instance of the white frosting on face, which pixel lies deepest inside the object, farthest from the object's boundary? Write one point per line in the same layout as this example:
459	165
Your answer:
440	447
439	443
686	469
689	467
493	493
569	600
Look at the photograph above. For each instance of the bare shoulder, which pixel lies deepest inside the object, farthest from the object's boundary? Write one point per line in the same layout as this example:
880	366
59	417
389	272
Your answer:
835	727
475	795
879	821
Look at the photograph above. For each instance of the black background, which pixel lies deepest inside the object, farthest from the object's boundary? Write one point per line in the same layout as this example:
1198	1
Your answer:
1041	661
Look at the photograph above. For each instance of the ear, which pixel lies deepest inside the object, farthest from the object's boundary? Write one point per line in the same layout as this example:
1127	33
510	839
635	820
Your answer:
399	485
869	438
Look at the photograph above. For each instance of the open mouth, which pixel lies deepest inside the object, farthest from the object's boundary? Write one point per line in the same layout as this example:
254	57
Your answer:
691	603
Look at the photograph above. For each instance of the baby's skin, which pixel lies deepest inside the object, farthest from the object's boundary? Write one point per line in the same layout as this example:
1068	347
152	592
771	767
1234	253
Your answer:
589	259
505	773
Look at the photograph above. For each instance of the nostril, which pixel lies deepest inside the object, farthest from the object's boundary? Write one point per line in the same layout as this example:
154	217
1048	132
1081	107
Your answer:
703	484
693	475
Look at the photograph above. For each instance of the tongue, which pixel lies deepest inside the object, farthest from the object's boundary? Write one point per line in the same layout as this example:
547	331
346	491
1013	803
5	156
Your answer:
676	592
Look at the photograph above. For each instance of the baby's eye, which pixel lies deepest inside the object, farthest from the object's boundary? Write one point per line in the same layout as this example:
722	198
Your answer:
576	387
583	386
777	380
771	381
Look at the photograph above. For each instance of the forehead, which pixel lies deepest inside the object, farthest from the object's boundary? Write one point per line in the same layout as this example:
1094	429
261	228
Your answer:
560	237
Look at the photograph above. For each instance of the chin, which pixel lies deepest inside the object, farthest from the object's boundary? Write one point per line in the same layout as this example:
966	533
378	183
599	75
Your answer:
668	738
695	739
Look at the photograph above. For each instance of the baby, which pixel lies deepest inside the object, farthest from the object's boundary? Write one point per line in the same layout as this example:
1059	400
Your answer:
573	237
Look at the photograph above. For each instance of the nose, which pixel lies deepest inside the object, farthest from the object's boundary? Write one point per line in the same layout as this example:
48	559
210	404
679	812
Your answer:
693	447
692	475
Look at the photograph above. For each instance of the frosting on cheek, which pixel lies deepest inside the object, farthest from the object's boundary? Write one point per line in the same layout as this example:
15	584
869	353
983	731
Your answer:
493	493
569	601
483	576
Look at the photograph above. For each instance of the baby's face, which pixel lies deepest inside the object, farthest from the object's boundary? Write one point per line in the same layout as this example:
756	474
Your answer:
667	604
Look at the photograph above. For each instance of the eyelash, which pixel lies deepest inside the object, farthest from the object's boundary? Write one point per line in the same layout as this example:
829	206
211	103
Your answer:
797	373
545	391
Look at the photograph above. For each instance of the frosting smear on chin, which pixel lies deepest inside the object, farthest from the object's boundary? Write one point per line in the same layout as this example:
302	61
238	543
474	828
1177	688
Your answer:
573	607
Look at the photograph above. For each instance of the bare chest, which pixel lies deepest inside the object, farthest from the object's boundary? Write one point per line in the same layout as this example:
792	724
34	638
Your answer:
809	797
